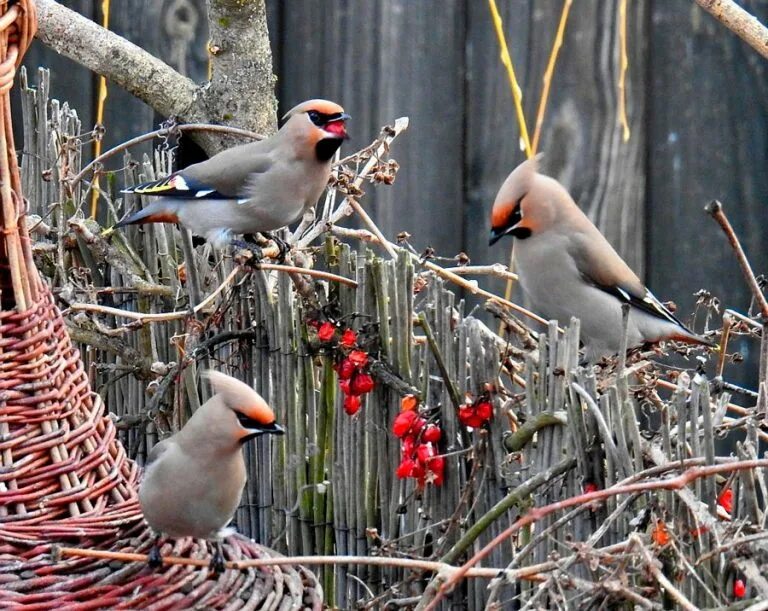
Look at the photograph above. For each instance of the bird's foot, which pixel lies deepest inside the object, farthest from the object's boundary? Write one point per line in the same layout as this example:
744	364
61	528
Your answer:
283	247
255	251
154	559
217	560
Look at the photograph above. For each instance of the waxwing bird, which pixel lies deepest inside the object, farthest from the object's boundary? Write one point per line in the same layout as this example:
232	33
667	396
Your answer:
567	267
255	187
193	480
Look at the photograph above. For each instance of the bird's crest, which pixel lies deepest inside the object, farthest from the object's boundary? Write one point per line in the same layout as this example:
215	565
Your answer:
515	187
324	107
240	397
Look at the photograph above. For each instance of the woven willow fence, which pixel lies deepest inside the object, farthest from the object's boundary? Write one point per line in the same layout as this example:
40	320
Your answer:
626	513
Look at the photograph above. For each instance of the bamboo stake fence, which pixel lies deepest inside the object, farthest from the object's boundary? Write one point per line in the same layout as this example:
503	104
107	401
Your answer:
150	310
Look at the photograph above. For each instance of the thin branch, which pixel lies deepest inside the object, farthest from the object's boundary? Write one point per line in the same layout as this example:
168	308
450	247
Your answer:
530	572
537	513
652	564
740	22
166	316
623	65
547	79
506	60
715	209
160	133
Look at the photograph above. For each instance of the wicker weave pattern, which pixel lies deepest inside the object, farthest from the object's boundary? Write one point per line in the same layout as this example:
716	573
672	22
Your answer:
64	477
59	454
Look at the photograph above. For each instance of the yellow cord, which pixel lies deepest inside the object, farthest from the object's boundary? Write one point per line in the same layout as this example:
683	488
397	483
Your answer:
623	65
517	94
102	98
547	80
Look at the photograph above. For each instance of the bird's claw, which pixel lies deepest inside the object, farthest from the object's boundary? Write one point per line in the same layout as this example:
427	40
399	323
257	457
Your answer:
154	559
255	251
217	561
283	247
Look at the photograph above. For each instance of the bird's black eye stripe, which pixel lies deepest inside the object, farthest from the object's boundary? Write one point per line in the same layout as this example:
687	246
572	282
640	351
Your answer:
321	118
517	213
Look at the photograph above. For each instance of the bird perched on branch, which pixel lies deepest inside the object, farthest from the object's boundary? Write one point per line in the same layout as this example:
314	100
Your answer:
194	479
567	267
255	187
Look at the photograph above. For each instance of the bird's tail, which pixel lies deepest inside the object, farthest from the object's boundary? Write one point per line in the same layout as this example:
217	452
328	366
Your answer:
156	212
685	335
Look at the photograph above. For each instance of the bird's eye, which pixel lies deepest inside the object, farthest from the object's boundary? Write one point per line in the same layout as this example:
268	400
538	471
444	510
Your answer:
315	117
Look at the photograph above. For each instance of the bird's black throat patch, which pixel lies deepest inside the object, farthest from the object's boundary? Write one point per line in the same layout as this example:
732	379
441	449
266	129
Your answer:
521	233
327	147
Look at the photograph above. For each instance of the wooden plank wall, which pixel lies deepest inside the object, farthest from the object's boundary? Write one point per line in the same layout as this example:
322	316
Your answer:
697	99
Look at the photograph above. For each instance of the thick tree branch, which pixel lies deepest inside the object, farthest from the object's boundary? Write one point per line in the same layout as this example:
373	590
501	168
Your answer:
740	22
104	52
241	92
242	83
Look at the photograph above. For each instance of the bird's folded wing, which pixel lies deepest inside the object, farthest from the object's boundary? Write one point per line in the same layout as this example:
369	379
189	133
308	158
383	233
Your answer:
156	451
177	185
600	265
224	176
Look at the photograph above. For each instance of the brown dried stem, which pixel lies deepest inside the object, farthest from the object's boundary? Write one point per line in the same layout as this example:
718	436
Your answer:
529	573
537	513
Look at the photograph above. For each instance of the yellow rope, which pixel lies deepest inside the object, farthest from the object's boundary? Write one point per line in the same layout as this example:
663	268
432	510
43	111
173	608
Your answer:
517	94
102	98
623	65
547	80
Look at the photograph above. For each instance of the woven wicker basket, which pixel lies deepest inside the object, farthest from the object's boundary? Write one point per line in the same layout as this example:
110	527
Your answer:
64	477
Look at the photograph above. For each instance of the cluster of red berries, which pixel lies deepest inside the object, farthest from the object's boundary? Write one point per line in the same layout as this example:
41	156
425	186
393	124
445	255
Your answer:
351	365
476	413
419	456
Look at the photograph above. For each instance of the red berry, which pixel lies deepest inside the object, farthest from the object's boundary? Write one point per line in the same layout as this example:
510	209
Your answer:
725	500
348	338
351	404
418	425
409	445
590	487
361	384
431	433
358	358
344	385
739	588
326	331
405	469
424	452
345	369
417	471
484	410
465	413
403	423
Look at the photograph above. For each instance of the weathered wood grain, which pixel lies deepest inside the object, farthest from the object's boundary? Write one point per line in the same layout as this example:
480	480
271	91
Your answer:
384	60
707	139
581	138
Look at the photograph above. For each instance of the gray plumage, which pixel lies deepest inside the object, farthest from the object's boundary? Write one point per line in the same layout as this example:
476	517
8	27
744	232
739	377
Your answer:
193	480
254	187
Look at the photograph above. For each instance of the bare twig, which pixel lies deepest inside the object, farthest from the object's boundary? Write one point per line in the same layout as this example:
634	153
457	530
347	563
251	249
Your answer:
535	514
159	133
530	572
652	564
715	208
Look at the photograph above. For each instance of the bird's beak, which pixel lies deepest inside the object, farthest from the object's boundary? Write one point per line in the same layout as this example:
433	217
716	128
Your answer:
337	127
496	235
